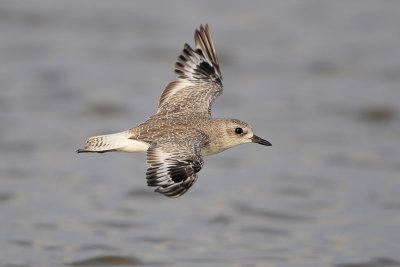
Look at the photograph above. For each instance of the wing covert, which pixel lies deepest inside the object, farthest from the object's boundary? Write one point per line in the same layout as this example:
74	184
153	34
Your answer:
173	167
199	78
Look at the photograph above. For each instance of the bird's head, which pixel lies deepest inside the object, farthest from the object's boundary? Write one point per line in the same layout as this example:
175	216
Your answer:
233	132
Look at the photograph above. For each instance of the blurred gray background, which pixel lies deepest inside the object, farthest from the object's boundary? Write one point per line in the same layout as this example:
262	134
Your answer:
319	79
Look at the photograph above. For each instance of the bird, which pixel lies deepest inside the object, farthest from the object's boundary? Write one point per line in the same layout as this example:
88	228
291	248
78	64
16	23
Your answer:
182	131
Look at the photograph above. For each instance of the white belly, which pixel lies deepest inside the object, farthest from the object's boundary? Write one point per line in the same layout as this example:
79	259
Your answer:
133	146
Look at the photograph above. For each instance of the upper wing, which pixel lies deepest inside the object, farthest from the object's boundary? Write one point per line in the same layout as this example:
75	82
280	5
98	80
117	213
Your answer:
173	167
199	78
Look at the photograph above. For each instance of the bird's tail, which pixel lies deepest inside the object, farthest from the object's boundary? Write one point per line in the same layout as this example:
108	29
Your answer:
113	142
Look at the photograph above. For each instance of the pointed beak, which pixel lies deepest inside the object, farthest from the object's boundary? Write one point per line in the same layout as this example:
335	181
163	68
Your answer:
258	140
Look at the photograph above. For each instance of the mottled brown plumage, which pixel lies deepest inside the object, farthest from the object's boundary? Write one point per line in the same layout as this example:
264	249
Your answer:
182	131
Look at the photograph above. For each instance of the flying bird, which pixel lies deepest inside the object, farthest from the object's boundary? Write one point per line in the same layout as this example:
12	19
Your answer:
182	131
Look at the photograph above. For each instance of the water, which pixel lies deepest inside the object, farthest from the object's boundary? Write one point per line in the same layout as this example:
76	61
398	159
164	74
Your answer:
318	79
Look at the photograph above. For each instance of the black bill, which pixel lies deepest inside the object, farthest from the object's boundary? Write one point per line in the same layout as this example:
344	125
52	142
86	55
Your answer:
258	140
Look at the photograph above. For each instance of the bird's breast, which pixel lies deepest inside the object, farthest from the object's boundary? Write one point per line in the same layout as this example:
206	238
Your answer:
211	149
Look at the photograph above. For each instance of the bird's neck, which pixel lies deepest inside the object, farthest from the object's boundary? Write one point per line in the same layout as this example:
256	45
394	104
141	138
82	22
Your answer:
216	142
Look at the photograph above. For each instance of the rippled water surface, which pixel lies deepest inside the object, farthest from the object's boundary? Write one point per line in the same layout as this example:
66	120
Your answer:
319	79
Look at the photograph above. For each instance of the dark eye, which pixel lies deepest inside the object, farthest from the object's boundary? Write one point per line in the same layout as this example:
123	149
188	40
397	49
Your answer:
238	130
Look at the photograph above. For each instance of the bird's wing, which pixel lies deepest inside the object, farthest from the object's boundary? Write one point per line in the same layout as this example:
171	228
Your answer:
174	166
199	78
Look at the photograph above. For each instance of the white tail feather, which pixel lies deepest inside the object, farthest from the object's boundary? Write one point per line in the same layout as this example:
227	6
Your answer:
114	142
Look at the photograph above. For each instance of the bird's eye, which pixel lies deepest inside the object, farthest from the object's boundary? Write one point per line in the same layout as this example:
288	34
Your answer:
238	130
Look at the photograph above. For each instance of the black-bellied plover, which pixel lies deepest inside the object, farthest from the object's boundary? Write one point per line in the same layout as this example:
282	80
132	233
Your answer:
182	131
